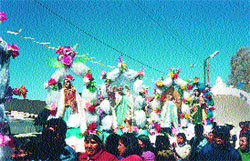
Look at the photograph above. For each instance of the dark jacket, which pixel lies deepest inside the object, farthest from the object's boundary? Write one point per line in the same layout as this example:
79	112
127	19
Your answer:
211	152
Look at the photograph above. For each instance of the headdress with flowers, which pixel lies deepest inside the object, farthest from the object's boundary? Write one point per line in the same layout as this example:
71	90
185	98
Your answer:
92	129
69	78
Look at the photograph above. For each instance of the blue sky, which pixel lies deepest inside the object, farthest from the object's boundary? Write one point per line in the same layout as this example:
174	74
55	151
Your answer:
160	34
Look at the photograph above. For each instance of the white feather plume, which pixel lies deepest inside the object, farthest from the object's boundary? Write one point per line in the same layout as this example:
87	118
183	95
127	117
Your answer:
140	119
79	69
113	75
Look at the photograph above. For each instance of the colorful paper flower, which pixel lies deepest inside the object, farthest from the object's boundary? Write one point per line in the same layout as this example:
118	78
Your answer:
59	50
5	140
3	16
183	87
92	108
121	127
52	81
88	75
162	98
175	76
67	60
70	77
14	50
92	127
171	74
159	83
187	116
189	99
189	86
16	92
157	127
23	91
195	80
182	115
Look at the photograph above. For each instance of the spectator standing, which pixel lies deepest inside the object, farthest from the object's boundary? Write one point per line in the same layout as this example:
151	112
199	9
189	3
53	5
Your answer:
111	144
95	150
129	148
163	148
221	149
182	148
52	145
147	148
244	147
197	142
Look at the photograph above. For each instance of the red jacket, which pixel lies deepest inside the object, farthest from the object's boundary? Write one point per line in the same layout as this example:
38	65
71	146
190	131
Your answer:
100	156
132	158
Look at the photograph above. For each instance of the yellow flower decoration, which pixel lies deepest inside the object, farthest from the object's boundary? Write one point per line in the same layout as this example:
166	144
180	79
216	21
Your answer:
171	74
195	80
160	83
157	96
183	87
121	127
187	115
189	99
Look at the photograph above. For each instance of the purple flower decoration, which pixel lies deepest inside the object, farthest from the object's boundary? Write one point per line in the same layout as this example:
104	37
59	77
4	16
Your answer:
3	16
67	60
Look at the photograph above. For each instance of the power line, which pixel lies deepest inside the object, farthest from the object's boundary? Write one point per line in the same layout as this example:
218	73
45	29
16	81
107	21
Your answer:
96	39
172	34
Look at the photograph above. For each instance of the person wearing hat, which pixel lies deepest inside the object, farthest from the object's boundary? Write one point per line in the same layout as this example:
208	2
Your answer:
244	147
95	150
221	149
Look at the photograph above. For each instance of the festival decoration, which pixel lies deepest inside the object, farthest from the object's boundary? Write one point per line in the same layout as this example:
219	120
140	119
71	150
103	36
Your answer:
13	50
3	16
20	91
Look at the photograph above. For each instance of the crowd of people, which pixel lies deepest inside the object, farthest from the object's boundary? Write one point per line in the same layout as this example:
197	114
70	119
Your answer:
216	145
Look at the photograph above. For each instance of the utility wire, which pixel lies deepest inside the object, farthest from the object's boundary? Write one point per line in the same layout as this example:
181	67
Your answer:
96	39
172	34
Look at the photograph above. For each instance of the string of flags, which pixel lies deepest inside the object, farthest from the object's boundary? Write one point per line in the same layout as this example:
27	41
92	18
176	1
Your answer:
46	44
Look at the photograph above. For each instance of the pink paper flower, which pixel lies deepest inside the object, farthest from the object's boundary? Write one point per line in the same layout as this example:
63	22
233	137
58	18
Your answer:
92	108
5	140
53	106
176	76
162	98
16	92
92	127
189	87
15	54
66	50
69	77
3	16
182	115
67	60
59	50
14	50
89	76
52	81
